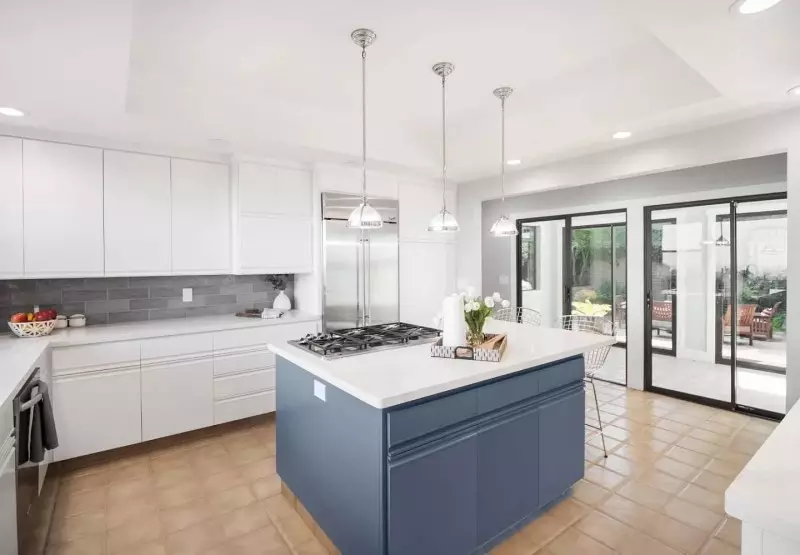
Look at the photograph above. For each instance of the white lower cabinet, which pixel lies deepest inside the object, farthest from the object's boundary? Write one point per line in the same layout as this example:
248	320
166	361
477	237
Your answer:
97	411
177	397
244	384
244	407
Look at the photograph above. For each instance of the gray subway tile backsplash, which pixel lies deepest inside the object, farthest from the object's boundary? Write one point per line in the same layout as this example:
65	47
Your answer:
134	299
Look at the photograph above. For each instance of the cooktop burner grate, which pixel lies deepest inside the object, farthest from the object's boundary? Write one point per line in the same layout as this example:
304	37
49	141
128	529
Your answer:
353	341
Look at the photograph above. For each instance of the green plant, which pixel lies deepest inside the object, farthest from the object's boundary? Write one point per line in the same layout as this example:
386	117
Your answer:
476	312
779	322
278	281
587	308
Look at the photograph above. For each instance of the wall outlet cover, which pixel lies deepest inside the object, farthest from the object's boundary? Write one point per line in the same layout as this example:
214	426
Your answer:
187	294
319	390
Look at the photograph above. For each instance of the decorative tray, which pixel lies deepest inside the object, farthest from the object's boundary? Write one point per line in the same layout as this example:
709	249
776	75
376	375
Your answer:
490	350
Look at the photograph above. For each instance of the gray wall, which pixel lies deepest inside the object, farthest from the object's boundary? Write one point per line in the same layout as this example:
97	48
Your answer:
133	299
496	252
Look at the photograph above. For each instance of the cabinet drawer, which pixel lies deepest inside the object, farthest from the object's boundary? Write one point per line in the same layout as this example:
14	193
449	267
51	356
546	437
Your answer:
179	345
560	374
260	336
239	339
418	420
508	391
244	384
236	363
244	407
106	355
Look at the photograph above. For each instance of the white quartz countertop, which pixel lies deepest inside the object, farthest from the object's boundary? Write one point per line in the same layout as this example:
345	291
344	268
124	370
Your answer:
767	490
387	378
18	355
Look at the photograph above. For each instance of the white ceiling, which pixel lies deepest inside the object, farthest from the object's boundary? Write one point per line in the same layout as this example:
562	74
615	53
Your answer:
282	78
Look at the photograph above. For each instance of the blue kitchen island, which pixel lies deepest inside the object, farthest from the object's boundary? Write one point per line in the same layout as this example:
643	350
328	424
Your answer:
398	453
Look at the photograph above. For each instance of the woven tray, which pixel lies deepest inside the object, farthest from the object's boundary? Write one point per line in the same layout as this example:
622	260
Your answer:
467	352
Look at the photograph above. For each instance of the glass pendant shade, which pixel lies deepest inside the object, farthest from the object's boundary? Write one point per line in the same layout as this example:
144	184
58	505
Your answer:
443	222
364	217
503	227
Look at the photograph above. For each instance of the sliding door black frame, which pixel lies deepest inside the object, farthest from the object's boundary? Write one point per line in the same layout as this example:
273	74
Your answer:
731	405
566	260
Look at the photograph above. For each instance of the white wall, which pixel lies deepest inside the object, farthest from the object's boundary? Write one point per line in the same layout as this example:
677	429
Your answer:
792	304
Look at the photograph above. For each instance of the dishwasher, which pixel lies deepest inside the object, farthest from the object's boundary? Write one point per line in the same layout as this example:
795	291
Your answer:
8	482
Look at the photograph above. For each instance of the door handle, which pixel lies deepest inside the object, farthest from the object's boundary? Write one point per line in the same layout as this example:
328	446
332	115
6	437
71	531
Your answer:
647	299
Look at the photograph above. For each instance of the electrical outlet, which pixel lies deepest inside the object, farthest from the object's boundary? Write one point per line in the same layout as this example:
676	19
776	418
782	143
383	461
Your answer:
187	294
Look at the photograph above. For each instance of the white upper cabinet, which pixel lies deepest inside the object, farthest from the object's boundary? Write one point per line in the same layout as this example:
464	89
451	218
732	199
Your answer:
11	208
419	203
63	210
427	276
274	190
274	224
200	218
137	214
347	179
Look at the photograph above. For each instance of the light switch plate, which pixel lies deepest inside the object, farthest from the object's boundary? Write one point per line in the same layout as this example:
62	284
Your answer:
187	294
319	390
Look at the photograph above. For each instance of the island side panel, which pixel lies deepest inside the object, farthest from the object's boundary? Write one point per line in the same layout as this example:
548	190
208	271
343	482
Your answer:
330	453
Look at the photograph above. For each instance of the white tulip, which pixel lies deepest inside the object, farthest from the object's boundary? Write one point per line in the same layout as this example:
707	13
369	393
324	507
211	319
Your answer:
476	305
505	304
496	296
467	307
488	301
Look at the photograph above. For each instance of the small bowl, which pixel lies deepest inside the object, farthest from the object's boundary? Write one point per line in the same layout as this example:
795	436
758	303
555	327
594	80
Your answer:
61	322
77	321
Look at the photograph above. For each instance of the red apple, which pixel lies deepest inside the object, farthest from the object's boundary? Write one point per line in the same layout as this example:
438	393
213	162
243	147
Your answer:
19	318
42	316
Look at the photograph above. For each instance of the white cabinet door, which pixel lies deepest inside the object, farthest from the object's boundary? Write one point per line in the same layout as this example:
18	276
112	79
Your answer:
419	203
200	218
275	244
137	213
274	190
427	276
63	192
11	238
8	496
177	397
97	411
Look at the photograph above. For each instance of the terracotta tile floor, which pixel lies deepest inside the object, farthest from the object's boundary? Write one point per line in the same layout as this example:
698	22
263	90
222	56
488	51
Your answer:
660	492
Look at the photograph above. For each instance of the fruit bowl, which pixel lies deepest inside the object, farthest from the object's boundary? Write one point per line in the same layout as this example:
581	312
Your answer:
32	329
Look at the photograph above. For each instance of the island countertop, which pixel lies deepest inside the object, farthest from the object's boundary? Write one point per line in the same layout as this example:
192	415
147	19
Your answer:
392	377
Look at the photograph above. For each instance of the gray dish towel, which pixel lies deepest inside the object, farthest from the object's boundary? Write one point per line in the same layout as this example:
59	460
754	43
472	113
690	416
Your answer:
37	426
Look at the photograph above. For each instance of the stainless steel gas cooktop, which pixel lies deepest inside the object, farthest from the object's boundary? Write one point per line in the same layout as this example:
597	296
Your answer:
367	339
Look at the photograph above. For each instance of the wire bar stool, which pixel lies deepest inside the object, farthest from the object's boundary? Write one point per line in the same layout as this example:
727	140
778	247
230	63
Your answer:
594	359
520	315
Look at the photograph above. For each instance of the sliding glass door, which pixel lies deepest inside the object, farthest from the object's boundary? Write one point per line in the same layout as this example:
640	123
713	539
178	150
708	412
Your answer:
577	264
715	302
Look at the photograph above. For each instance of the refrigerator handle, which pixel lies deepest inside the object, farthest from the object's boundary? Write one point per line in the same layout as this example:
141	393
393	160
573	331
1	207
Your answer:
367	281
359	246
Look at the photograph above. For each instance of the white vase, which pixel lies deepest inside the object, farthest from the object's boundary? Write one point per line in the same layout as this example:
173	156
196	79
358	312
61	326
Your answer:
282	302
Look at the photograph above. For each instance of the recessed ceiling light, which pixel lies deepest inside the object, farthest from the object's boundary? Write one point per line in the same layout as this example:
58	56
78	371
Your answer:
794	91
11	112
749	7
622	134
513	162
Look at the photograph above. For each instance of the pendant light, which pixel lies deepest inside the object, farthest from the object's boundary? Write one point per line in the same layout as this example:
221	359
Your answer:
503	227
364	216
722	241
443	221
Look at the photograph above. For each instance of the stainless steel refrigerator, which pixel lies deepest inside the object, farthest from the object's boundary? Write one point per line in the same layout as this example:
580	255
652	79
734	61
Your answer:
360	281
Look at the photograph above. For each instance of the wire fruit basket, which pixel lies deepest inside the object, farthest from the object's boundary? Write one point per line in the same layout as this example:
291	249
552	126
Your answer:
32	329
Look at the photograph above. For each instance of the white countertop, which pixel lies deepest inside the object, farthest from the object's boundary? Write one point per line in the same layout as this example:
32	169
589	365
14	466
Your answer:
387	378
18	355
767	490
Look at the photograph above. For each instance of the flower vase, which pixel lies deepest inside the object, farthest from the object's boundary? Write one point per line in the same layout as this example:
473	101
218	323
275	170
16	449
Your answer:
282	302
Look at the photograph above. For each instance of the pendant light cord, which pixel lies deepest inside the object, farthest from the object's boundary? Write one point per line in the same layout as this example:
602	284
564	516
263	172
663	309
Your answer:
503	151
444	145
364	124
